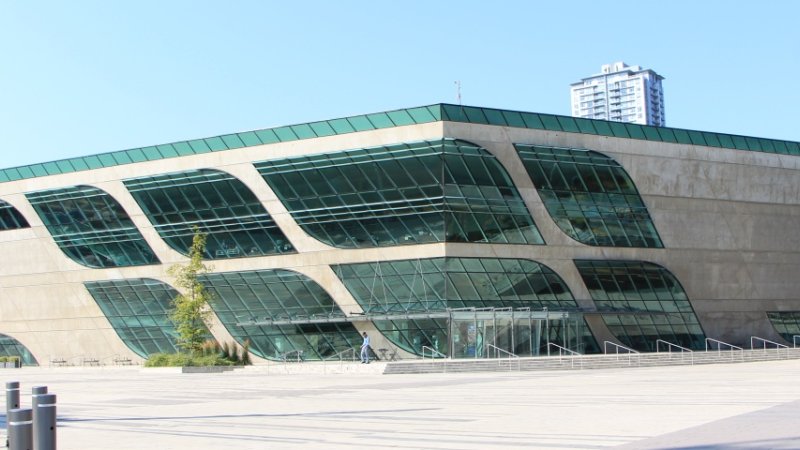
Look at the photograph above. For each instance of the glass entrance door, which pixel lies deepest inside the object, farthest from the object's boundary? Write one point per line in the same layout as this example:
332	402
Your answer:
499	335
491	333
524	336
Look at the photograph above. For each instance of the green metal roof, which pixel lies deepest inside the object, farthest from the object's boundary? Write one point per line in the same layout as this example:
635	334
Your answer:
396	118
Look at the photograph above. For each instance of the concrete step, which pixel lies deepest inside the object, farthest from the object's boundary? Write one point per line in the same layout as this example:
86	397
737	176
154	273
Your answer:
586	362
316	367
583	362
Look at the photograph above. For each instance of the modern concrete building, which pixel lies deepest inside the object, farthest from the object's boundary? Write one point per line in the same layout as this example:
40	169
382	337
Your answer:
620	93
459	230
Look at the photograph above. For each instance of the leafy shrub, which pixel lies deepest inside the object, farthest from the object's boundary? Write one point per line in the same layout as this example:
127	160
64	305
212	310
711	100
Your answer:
185	360
209	353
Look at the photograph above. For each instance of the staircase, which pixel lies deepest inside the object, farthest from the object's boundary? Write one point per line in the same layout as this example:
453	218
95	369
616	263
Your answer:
585	362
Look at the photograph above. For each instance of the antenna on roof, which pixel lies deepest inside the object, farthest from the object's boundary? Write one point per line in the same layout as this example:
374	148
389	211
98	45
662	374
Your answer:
458	91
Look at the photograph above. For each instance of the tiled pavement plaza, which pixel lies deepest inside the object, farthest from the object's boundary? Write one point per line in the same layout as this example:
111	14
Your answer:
725	406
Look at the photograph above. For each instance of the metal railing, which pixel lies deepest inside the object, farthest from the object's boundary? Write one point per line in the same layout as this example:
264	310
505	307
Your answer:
562	350
670	346
571	353
340	358
764	342
498	351
730	346
340	355
617	347
433	352
292	356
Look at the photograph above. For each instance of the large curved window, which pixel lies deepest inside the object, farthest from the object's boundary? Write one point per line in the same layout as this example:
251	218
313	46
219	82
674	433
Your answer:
12	347
10	217
430	285
787	324
215	203
641	302
91	227
241	297
138	309
589	196
438	191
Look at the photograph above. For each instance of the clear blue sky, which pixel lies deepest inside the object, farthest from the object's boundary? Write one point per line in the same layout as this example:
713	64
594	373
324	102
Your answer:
85	77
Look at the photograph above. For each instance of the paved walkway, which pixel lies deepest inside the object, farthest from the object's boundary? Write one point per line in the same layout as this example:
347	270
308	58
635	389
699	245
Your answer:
738	406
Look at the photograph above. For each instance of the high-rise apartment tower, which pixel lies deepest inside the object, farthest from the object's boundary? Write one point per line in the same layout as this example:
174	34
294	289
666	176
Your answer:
620	93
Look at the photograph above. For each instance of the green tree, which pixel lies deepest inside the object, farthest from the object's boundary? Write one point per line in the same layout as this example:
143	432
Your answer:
191	309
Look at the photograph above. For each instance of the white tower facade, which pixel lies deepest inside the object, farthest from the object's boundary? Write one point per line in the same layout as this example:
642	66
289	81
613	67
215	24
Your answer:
620	93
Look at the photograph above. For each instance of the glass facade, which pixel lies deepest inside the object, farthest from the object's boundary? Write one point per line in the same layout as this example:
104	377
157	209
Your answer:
439	191
240	297
138	310
91	227
215	203
10	217
787	324
590	197
649	301
424	285
12	347
495	332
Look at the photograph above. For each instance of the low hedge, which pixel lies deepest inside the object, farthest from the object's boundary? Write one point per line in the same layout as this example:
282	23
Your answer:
185	360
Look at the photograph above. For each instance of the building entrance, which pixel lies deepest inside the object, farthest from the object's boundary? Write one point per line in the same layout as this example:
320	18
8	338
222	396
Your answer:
493	332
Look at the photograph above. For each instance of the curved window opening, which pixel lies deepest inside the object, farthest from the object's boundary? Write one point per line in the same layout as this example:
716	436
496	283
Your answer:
10	347
787	324
244	297
590	197
91	227
11	218
642	302
215	203
138	310
423	192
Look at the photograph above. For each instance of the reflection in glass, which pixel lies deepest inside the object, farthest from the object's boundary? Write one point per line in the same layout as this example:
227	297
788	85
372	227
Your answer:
437	191
12	347
240	297
215	203
424	285
589	196
138	310
10	217
787	324
649	302
91	227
